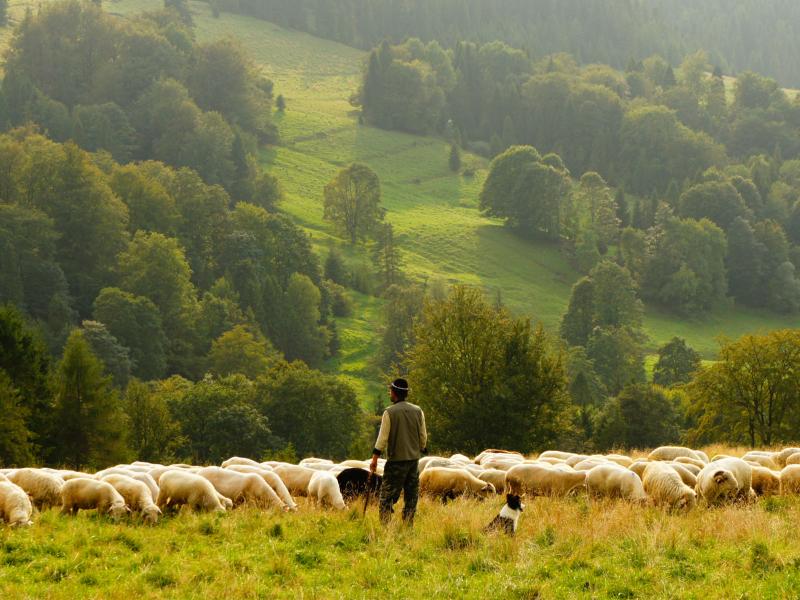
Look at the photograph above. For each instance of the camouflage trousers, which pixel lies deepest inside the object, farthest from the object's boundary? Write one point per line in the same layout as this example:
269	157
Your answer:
399	476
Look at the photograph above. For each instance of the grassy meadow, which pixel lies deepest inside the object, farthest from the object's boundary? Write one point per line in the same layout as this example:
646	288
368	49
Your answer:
572	548
441	233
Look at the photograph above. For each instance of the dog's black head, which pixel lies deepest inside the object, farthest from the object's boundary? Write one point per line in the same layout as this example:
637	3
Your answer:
513	502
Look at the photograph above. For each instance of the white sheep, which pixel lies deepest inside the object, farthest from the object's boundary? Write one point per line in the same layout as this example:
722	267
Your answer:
766	482
43	488
272	479
177	487
695	462
136	494
494	476
89	494
725	479
664	487
543	479
673	452
790	479
782	456
615	481
687	476
240	460
762	459
15	506
639	466
242	487
323	488
447	483
295	478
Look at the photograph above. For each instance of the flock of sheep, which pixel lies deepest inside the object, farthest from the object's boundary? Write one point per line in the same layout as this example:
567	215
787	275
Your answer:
672	476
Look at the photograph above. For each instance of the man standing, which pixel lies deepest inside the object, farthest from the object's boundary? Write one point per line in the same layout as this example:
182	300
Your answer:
404	439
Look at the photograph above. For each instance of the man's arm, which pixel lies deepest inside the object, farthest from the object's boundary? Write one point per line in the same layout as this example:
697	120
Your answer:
381	442
423	435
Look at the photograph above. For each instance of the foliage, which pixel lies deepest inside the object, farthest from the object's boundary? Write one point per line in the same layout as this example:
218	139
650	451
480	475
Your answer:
88	417
676	363
240	351
641	416
16	448
152	433
114	356
749	394
318	414
353	201
485	380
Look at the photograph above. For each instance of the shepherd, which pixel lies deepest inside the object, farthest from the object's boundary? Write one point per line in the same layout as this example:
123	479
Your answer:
404	439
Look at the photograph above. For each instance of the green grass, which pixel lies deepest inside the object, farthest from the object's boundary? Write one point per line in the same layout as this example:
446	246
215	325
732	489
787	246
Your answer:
441	233
564	549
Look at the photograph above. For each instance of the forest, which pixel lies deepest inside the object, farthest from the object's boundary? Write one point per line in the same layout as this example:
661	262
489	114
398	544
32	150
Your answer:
160	300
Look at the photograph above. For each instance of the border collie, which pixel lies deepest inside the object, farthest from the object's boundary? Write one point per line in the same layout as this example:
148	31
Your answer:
509	515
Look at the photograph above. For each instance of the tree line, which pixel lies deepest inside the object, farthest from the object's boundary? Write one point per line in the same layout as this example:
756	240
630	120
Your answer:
140	88
751	37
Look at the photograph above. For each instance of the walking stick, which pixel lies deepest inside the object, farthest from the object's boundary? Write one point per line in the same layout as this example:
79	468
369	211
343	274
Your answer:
368	494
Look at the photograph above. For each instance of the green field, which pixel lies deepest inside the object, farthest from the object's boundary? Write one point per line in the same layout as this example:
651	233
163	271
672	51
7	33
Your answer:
564	549
441	233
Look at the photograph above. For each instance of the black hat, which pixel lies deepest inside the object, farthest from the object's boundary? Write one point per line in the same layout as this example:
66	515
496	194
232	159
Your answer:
400	385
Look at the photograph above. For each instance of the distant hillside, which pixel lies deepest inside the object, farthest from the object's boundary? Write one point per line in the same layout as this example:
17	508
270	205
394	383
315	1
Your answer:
758	36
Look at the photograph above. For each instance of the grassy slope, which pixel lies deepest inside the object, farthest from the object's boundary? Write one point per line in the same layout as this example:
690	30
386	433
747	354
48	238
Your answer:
441	232
564	549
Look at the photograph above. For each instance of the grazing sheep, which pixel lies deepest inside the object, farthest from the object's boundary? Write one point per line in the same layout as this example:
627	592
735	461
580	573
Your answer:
494	453
702	456
563	456
151	484
355	464
693	469
323	489
725	479
665	487
43	488
687	476
355	482
178	487
15	506
695	462
295	478
494	476
766	482
543	480
3	477
615	481
272	480
447	484
672	452
782	456
790	479
242	487
590	463
239	460
717	457
157	472
623	461
639	466
575	459
460	458
765	459
311	460
88	494
66	474
502	464
793	459
137	496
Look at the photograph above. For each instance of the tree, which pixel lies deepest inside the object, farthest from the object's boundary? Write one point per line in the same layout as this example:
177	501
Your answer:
578	322
136	323
617	356
744	263
750	394
114	356
386	256
155	267
267	192
181	7
403	306
454	162
335	268
614	295
525	190
16	445
25	361
238	430
676	363
302	336
484	378
90	422
318	414
152	433
718	201
3	12
241	351
352	201
280	103
641	416
150	206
